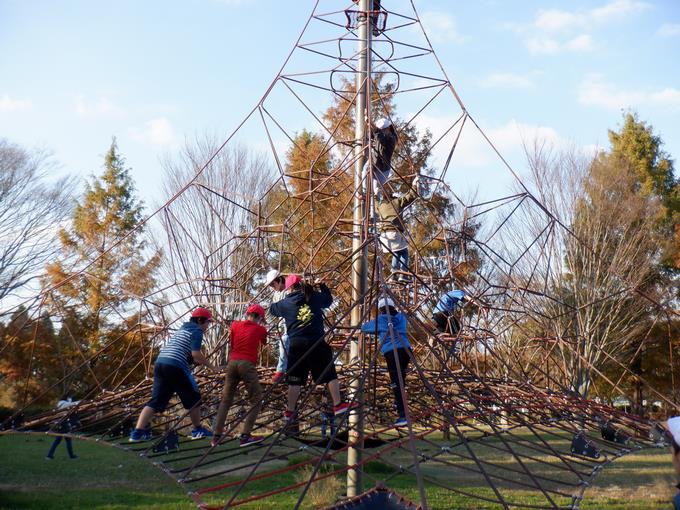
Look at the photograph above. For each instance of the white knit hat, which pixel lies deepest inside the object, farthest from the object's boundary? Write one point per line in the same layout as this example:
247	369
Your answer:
385	302
674	428
271	276
383	123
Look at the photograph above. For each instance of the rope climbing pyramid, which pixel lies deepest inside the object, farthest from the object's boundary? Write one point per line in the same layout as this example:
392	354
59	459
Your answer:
451	394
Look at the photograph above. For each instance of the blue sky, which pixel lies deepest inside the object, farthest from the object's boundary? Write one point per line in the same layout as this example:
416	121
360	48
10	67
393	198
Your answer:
74	73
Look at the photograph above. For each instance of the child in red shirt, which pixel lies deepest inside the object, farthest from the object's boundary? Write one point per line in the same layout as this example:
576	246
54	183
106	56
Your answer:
245	339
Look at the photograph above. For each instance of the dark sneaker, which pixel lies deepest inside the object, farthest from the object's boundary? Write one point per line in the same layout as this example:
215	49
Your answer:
215	440
249	439
344	407
401	422
291	427
200	433
138	435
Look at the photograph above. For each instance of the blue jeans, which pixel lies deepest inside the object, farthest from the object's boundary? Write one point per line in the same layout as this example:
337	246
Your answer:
400	260
57	440
379	178
327	422
284	347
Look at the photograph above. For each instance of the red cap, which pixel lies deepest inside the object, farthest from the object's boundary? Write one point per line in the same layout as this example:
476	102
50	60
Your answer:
202	312
291	280
255	309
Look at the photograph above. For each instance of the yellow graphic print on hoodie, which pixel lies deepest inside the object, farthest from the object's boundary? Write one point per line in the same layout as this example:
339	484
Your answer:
304	315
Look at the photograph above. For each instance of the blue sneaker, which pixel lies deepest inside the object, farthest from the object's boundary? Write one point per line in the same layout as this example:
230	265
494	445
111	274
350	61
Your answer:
138	435
200	432
401	422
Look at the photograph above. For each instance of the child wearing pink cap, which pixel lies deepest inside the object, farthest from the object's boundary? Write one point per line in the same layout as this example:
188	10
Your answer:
302	309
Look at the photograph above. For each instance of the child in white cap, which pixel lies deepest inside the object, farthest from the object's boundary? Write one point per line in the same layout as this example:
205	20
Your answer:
384	138
277	282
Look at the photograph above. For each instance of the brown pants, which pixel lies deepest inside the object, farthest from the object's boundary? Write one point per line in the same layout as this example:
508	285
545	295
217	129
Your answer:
240	370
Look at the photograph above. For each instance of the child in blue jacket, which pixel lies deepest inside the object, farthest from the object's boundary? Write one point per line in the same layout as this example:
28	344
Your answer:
394	345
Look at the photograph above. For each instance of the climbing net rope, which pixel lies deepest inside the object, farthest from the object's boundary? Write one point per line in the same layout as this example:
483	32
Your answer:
491	414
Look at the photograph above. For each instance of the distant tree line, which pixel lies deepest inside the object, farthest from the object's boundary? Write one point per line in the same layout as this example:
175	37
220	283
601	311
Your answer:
94	259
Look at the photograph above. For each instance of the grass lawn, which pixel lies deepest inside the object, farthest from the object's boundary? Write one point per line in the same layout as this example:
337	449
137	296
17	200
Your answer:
102	478
639	481
106	478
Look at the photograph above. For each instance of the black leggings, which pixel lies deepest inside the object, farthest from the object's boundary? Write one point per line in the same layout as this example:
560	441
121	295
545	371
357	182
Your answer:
446	323
402	355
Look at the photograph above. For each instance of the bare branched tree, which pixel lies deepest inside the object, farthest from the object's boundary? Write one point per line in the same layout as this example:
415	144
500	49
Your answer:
31	211
211	229
604	257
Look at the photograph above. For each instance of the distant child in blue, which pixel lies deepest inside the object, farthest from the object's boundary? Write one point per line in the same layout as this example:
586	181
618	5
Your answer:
673	427
394	345
443	312
65	426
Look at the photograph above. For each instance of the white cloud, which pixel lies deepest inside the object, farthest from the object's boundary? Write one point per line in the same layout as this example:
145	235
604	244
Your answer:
555	30
514	134
476	172
8	104
581	42
669	30
554	20
101	106
543	46
617	9
469	151
155	132
234	3
507	81
667	96
473	150
594	91
441	27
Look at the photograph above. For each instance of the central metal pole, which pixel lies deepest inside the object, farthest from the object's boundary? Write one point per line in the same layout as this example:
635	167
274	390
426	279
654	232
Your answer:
359	253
